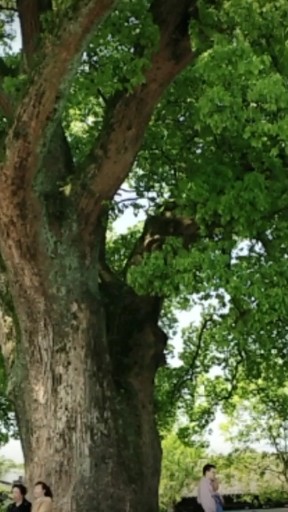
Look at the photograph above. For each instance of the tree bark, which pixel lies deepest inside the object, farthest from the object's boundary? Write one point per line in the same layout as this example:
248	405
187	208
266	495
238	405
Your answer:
84	394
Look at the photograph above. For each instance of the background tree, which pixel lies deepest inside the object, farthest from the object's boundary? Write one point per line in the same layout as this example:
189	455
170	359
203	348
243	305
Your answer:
181	467
262	420
242	471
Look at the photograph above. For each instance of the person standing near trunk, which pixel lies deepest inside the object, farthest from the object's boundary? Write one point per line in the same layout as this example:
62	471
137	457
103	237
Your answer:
20	504
43	498
206	493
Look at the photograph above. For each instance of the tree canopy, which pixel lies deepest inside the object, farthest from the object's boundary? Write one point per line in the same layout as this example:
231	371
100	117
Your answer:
213	158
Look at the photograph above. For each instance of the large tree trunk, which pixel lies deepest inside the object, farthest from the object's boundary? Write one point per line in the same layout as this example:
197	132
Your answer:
86	356
85	409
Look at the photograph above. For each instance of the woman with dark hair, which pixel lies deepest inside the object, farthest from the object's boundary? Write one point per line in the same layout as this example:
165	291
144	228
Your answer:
20	504
42	498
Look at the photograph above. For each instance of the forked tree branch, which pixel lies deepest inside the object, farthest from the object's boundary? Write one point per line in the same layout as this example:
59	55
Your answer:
116	151
39	107
19	210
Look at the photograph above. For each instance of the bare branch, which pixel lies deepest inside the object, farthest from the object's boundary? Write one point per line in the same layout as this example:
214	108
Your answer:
127	121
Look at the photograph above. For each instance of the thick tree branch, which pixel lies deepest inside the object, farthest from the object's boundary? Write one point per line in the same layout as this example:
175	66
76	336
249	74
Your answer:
34	115
39	107
156	230
30	22
124	130
19	210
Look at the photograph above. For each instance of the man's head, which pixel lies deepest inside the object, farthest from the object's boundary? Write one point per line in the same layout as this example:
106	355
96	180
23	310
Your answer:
19	492
209	471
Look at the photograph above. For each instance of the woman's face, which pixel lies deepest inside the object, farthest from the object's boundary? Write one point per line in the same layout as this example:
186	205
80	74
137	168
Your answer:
38	491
